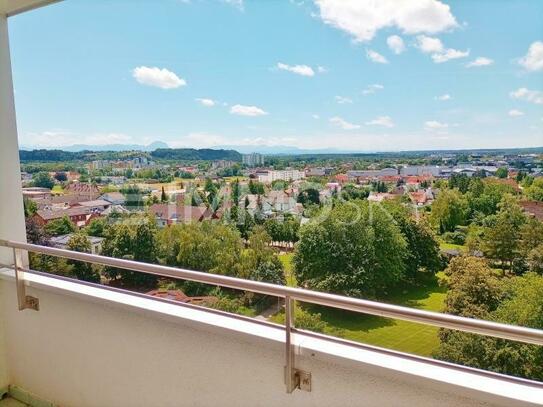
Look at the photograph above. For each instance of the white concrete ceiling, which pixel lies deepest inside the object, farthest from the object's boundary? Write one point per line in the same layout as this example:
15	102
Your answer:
12	7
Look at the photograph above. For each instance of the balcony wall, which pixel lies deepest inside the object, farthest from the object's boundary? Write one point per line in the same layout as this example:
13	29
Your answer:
93	347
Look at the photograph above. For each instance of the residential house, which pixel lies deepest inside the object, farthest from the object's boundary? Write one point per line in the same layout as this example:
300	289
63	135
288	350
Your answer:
171	213
61	242
79	215
115	198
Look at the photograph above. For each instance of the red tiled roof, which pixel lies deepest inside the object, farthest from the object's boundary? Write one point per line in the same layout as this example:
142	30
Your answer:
534	208
177	212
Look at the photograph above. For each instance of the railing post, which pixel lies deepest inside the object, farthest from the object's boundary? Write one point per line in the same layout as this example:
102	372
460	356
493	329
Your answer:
290	374
294	378
24	301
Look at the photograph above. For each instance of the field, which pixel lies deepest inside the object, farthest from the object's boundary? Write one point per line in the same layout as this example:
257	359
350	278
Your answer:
393	334
387	333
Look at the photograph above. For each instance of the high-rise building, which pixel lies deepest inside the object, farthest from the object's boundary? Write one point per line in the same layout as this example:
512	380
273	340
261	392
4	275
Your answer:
253	159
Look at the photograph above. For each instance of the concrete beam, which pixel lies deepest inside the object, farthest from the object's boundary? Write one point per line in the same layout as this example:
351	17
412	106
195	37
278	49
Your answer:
12	222
13	7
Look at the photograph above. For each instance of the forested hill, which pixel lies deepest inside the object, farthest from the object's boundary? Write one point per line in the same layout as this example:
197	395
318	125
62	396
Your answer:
193	154
189	154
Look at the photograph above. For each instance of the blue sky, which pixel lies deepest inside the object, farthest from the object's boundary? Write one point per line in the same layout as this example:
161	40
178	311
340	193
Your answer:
328	74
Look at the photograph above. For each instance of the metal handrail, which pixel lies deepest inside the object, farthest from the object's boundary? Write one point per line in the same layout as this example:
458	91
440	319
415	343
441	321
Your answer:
489	328
294	378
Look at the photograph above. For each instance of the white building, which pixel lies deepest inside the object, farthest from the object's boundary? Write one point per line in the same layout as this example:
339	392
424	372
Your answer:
253	159
267	177
412	170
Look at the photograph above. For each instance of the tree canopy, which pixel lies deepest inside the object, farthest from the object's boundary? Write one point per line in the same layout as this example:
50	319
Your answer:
357	249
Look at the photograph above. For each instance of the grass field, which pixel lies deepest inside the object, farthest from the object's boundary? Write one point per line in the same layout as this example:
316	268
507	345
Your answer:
286	259
387	333
451	246
393	334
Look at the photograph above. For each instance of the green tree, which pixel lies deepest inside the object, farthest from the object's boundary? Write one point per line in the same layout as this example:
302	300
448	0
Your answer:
502	240
535	190
459	181
502	172
356	249
96	227
309	196
30	207
60	226
474	290
133	197
79	242
449	210
351	191
422	246
43	180
521	304
61	176
535	260
35	233
163	197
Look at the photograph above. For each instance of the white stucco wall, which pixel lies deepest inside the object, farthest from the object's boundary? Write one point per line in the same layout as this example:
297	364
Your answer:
12	225
78	351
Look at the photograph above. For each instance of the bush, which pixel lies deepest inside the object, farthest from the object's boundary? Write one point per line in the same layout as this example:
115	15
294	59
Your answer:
456	237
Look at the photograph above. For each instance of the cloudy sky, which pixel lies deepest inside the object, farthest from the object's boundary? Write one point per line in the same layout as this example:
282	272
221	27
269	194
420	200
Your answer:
359	75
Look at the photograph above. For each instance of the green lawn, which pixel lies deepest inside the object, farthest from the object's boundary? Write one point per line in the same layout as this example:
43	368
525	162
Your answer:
451	246
384	332
286	259
388	333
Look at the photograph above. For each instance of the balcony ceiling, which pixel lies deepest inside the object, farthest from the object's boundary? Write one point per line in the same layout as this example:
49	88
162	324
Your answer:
12	7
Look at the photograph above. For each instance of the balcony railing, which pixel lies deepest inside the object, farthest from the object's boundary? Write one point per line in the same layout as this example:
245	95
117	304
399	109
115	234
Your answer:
294	378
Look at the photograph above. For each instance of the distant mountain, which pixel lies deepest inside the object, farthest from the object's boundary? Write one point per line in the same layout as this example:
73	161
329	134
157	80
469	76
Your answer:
107	147
282	150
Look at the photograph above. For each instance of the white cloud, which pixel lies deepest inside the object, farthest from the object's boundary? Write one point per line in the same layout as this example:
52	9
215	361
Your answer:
63	138
363	18
206	102
385	121
515	113
533	60
345	125
434	46
161	78
480	61
448	55
533	96
396	44
429	45
435	125
303	70
321	69
343	100
443	98
236	3
243	110
376	57
372	89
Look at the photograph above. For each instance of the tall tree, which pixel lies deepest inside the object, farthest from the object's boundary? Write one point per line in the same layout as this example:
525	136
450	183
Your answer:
80	242
163	197
43	180
357	249
449	210
61	226
502	240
